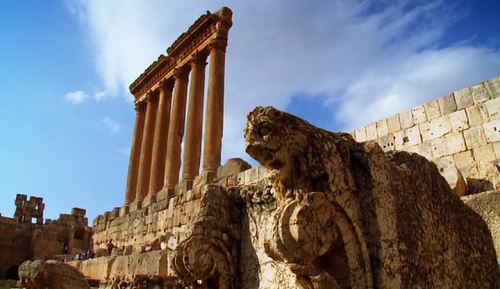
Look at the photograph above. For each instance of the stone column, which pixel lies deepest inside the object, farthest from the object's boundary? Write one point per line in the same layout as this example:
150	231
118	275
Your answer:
146	148
192	145
176	131
215	109
161	134
135	154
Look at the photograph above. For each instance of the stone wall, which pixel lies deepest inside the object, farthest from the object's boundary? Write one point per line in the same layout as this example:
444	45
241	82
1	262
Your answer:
22	240
462	127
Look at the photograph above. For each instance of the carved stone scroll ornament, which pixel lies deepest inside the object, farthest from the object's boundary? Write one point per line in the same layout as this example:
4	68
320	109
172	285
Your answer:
209	255
313	232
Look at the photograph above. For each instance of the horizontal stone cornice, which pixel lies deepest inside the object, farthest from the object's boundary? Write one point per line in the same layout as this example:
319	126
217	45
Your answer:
196	38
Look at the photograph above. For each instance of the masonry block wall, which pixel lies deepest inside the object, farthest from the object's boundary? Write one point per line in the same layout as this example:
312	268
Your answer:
462	127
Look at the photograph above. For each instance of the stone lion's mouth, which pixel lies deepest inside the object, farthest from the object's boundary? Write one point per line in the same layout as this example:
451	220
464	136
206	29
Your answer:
263	154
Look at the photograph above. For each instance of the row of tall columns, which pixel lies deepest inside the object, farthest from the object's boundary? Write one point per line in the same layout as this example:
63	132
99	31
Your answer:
155	158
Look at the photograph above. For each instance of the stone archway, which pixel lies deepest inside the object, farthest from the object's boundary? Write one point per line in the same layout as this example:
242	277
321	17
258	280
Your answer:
12	273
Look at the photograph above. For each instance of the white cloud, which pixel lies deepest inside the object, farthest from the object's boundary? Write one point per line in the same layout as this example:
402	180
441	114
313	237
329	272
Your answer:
76	97
367	61
109	124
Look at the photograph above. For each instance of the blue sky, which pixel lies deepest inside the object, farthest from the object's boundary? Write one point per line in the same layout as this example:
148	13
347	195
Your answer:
67	116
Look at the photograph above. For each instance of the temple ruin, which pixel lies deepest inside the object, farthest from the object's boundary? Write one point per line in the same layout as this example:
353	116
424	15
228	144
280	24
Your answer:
22	240
367	209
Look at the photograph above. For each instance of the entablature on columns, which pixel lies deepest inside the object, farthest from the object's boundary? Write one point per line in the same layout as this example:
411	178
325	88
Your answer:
206	29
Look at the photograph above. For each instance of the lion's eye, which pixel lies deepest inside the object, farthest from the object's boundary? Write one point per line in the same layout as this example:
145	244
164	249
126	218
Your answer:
263	131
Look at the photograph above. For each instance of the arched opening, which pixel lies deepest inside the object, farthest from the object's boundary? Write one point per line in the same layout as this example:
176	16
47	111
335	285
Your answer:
12	273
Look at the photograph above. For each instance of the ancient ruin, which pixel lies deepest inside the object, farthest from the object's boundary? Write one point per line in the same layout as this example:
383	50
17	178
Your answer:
21	240
377	208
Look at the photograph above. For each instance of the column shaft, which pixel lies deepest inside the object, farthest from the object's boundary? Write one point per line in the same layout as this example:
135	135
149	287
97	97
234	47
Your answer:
214	121
192	145
176	130
146	149
135	155
161	134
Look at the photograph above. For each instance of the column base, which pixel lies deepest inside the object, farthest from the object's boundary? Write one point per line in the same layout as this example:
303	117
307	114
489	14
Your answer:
150	199
124	210
136	205
184	186
165	193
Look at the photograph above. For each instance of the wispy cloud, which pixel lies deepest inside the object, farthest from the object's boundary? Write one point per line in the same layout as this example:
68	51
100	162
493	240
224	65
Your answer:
109	124
76	97
365	59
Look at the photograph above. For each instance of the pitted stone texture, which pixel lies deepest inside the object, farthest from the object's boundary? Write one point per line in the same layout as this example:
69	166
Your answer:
407	138
435	128
349	215
51	274
492	131
487	205
493	108
419	115
432	109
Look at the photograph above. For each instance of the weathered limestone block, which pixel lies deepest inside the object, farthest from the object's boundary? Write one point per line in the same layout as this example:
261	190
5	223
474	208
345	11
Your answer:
455	143
393	124
51	274
492	130
474	137
484	153
487	205
459	121
463	98
463	159
386	142
479	93
435	128
371	131
447	104
382	129
361	134
406	119
452	175
477	114
407	138
432	109
493	108
494	86
349	215
419	115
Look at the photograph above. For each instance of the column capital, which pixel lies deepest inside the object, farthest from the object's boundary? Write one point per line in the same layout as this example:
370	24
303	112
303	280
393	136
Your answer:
167	84
181	73
217	44
198	58
140	107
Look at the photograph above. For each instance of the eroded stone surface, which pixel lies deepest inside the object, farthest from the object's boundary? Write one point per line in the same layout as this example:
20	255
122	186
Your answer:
51	274
350	215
